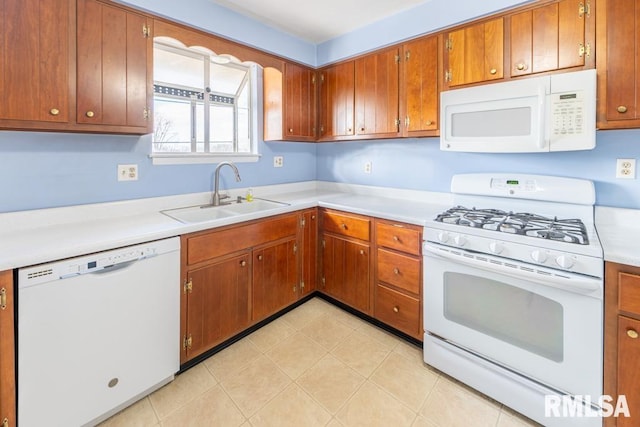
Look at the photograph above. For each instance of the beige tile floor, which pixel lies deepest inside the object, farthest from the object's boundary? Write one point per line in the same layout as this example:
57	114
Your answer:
317	366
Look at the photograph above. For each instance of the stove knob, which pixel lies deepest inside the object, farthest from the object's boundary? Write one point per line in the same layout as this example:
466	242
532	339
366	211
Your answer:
443	236
460	240
539	256
564	261
496	247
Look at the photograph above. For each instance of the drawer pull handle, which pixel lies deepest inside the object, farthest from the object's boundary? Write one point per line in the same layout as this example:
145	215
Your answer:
493	71
243	263
396	309
343	226
396	239
396	271
54	111
622	109
632	334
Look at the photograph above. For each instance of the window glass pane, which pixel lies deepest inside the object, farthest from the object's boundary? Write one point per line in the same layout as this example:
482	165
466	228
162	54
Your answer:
226	78
172	125
244	123
181	70
200	141
221	128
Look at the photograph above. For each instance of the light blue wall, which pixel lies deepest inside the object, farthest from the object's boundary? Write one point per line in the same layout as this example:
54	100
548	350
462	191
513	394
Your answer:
40	170
420	165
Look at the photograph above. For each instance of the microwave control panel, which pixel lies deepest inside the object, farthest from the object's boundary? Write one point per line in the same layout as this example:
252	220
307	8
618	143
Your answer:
567	114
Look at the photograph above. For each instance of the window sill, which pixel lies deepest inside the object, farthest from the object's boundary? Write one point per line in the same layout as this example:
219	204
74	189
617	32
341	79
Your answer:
201	158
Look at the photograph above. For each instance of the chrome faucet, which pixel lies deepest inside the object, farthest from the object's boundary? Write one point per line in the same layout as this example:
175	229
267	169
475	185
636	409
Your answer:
215	199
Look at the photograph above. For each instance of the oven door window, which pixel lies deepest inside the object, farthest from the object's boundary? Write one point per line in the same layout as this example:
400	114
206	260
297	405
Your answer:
513	315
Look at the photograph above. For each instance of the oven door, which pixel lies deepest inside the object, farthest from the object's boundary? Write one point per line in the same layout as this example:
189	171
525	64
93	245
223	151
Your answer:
519	316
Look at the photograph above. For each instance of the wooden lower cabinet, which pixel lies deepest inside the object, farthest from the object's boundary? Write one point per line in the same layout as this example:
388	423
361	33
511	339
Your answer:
7	351
346	271
217	303
275	278
622	340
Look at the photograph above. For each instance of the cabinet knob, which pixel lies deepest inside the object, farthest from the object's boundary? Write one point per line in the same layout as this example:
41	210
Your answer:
90	114
313	217
343	226
396	309
349	130
493	71
361	129
396	271
243	263
622	109
632	334
521	67
361	251
396	238
428	123
54	111
259	257
290	130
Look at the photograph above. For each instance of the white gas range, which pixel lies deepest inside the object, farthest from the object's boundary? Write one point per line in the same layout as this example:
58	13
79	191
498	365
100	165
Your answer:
513	292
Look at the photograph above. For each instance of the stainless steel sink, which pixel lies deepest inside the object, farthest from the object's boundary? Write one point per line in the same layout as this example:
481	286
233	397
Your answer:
194	214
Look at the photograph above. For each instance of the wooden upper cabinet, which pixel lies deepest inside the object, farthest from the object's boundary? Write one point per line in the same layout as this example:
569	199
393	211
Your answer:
290	103
35	46
7	351
551	37
114	75
420	89
377	94
337	100
475	53
618	38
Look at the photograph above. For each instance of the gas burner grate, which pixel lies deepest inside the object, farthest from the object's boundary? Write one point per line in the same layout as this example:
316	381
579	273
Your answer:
522	223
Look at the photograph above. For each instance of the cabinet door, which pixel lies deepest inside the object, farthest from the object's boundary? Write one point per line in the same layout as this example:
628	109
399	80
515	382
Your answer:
377	93
34	60
618	74
309	245
7	351
337	100
420	87
217	303
475	53
548	38
629	368
345	271
299	102
275	278
113	79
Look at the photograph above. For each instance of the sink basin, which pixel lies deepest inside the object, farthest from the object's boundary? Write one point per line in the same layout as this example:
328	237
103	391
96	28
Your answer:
195	214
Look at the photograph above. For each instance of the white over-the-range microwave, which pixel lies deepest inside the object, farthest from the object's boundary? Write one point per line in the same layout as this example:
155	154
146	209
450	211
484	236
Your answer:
550	113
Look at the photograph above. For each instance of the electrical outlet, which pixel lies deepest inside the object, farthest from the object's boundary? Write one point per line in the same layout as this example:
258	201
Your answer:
367	166
278	161
127	172
626	168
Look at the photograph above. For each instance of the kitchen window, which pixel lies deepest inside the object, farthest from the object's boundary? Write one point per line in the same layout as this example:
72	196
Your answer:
205	106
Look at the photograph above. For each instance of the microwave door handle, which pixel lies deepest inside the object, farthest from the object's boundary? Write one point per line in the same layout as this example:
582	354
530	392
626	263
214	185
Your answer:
545	120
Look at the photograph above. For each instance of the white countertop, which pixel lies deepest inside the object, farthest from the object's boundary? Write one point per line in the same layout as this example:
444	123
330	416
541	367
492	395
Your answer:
43	235
619	233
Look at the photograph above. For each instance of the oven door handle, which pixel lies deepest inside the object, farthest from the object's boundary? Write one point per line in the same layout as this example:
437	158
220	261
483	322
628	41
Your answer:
545	276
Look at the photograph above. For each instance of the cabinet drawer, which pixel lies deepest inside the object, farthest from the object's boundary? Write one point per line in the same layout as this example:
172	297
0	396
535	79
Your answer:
399	270
346	225
208	245
399	237
629	293
398	310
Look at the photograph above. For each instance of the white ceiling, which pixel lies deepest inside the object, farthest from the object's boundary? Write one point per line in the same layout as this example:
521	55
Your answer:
318	21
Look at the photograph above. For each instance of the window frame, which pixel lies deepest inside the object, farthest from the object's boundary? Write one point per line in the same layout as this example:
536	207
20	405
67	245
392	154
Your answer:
254	85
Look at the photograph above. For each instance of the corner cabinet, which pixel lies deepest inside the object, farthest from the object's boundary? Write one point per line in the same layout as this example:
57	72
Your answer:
345	258
552	37
290	103
114	73
622	340
474	53
7	351
618	38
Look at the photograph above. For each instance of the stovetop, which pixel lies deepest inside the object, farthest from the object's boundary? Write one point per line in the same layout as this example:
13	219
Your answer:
569	230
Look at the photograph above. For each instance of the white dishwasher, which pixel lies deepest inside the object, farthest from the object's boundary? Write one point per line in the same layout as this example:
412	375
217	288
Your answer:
97	332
